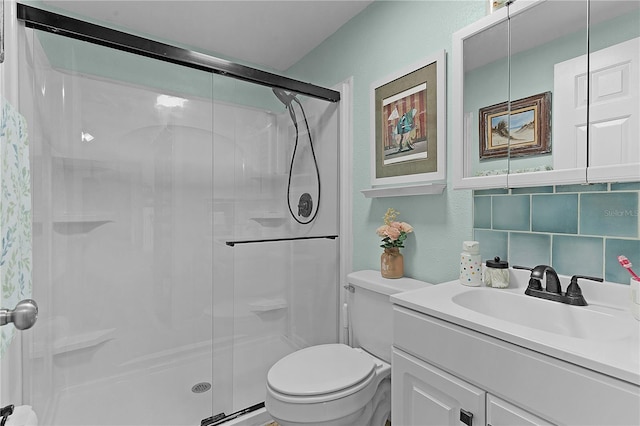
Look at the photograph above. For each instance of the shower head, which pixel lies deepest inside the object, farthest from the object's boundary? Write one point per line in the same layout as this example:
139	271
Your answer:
284	97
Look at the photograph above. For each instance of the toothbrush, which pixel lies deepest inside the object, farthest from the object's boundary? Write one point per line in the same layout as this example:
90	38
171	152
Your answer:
627	265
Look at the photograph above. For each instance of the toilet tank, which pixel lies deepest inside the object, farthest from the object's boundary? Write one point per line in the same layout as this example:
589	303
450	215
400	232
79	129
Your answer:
371	311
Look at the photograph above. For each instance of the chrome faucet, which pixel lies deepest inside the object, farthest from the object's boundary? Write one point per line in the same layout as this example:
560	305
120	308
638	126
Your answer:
553	290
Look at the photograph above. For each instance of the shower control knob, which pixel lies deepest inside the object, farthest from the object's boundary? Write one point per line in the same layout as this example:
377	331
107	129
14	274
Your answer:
305	205
24	315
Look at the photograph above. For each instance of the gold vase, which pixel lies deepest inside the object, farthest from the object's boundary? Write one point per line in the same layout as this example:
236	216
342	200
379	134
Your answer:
392	263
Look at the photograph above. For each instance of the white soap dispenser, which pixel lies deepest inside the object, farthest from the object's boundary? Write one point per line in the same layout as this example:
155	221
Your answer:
470	264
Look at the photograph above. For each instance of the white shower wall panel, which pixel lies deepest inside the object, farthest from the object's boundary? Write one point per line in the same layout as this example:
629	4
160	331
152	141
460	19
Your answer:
135	222
323	122
132	267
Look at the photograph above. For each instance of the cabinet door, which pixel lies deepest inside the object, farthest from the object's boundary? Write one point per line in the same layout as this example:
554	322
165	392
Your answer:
555	50
481	78
425	395
541	37
502	413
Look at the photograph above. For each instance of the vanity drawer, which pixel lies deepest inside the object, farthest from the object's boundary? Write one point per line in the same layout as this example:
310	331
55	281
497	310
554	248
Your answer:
547	387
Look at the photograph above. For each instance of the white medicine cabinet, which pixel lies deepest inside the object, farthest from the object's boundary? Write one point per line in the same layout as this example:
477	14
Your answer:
547	92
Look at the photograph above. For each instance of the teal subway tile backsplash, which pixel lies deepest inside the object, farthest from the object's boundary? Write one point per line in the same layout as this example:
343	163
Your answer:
493	243
491	191
482	212
511	212
614	248
577	255
626	186
609	213
555	213
528	249
582	188
533	190
577	229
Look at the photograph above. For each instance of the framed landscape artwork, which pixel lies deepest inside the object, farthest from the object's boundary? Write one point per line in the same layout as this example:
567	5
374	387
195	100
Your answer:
524	130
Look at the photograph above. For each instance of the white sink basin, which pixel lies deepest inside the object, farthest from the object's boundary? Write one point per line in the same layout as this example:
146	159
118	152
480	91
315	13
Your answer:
552	317
603	336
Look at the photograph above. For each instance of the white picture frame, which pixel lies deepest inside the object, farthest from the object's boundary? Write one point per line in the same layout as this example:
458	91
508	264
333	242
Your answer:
408	124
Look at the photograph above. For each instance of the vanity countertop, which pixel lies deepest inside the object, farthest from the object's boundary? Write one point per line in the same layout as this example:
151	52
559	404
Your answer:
603	336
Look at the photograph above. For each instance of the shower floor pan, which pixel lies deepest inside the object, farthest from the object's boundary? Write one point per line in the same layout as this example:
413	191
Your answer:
163	395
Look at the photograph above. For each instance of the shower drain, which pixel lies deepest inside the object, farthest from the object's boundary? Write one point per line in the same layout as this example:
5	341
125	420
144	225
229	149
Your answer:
201	387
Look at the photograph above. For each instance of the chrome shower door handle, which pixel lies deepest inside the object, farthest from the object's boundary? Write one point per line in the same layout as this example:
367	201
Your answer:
23	316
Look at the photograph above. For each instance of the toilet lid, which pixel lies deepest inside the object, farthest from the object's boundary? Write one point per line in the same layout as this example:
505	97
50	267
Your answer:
319	370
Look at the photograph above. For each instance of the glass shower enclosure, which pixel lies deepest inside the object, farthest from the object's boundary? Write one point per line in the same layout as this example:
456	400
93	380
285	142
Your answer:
168	269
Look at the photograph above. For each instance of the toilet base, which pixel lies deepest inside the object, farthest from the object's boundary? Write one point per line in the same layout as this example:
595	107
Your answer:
375	413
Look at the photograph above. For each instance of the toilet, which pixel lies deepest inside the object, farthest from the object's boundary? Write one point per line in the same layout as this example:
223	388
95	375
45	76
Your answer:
337	384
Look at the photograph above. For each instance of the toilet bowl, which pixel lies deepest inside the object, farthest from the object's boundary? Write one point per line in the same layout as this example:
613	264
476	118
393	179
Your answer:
337	384
332	384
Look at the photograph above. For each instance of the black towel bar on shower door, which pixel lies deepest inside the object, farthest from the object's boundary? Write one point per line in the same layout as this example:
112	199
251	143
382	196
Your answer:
233	243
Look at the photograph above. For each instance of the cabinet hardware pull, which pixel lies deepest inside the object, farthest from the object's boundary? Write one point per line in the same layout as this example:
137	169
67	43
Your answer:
466	417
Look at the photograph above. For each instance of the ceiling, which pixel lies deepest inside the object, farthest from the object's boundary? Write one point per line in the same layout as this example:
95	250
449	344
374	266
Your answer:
268	33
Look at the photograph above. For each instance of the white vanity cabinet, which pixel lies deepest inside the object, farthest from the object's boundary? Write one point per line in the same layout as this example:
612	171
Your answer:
502	413
425	395
440	368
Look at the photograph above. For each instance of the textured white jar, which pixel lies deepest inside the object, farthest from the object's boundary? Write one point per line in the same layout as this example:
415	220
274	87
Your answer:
470	264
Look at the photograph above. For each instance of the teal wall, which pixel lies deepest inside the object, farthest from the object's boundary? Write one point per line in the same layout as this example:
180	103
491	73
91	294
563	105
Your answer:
385	37
69	54
391	35
578	229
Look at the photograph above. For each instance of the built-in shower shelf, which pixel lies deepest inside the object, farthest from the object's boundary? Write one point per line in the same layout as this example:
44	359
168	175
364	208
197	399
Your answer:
80	223
77	342
271	176
267	305
400	191
269	219
89	217
84	164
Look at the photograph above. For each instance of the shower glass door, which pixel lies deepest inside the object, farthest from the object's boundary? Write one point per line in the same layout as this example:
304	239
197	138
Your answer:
168	267
122	172
285	273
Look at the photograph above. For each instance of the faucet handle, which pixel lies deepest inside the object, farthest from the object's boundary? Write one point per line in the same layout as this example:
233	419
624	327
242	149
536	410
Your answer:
534	283
574	292
522	267
574	288
585	277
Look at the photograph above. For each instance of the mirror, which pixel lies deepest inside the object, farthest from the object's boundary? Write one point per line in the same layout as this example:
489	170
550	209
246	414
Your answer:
543	37
614	96
524	108
484	66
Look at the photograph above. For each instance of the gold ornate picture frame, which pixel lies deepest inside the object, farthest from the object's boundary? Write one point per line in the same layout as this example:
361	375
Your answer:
523	130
